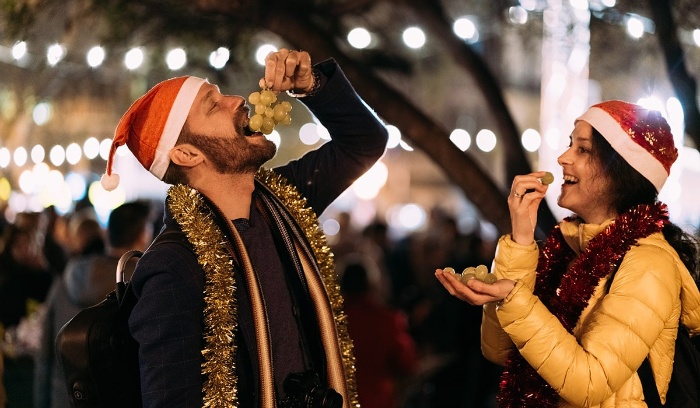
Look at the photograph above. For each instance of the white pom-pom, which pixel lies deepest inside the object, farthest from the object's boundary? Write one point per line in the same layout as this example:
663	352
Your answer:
109	182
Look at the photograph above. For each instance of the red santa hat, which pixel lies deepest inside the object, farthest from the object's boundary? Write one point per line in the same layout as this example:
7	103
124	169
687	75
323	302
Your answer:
641	136
151	126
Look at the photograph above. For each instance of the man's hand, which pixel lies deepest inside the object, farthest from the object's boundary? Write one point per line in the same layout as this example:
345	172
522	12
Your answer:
288	71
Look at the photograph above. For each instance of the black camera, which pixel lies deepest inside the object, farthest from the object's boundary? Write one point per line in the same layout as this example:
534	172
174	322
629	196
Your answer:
304	390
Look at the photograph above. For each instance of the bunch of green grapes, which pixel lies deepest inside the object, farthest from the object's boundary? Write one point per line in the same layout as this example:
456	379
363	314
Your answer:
480	272
268	111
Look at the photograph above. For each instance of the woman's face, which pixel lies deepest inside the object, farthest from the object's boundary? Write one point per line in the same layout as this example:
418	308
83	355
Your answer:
586	186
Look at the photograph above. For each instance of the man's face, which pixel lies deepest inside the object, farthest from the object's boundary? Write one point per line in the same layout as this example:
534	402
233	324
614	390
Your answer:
218	124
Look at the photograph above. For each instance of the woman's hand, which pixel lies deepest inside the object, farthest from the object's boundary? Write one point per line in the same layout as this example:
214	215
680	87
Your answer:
475	292
287	70
526	193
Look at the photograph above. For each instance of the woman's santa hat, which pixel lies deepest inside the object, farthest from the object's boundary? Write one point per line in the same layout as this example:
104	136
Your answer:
641	136
151	126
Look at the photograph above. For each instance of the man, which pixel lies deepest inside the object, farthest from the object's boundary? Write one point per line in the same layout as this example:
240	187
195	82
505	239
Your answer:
255	301
86	281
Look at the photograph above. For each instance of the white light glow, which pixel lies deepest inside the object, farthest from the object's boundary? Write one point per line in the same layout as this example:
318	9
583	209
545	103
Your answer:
41	172
274	137
579	4
41	113
27	182
57	155
465	29
37	154
635	27
95	56
404	145
176	59
517	15
73	153
486	140
323	133
359	38
5	157
331	227
414	37
531	140
104	201
696	36
91	148
133	58
368	185
394	136
410	217
308	134
20	156
55	53
219	58
262	52
461	138
19	50
105	147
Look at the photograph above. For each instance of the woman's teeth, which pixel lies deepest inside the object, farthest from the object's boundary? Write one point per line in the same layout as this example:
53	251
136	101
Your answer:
570	179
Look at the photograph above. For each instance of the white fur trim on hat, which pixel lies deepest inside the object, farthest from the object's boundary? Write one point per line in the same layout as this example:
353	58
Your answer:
173	126
637	156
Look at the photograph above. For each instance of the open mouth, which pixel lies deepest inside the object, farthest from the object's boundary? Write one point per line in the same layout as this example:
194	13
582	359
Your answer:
570	179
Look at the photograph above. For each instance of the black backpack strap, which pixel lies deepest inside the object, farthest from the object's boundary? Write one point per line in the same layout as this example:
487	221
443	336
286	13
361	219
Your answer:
169	234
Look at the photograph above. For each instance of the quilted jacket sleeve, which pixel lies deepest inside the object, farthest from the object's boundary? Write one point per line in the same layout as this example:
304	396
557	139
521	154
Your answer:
613	336
516	262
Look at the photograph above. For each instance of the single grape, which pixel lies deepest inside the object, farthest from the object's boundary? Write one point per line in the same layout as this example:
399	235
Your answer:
267	97
279	113
254	98
490	278
449	269
269	112
481	271
260	109
255	122
286	105
287	119
548	178
464	277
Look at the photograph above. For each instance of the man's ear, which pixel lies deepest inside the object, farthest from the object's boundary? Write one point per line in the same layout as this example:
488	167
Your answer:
186	155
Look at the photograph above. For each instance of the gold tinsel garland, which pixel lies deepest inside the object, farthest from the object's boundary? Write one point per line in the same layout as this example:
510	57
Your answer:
220	309
308	221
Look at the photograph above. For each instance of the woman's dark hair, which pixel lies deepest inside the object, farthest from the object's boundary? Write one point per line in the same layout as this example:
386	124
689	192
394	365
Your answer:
629	188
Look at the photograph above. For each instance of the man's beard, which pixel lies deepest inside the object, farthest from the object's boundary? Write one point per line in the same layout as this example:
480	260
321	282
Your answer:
235	155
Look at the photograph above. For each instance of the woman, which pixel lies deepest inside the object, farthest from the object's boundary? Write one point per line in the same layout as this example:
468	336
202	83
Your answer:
579	335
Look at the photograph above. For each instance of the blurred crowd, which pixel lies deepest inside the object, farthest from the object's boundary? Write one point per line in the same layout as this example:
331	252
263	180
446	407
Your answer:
446	367
416	346
52	266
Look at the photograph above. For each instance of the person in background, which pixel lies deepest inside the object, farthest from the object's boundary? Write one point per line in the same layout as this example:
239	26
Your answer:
251	314
25	278
385	351
567	332
85	234
86	281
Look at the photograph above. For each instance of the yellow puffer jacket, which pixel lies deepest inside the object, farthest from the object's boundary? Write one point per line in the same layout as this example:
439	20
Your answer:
596	365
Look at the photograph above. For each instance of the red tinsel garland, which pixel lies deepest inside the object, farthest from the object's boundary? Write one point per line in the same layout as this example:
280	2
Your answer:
566	292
